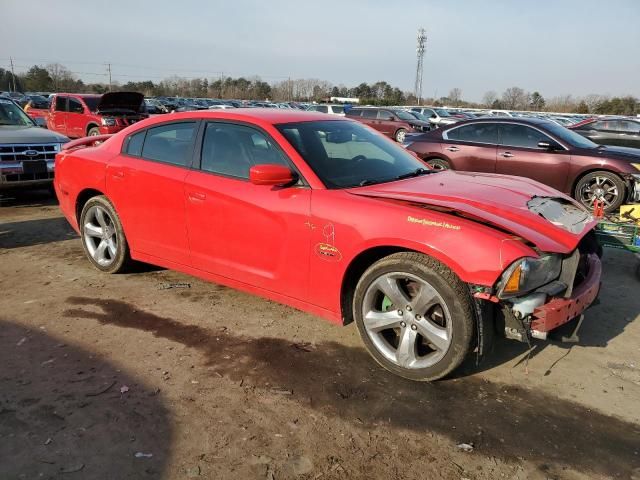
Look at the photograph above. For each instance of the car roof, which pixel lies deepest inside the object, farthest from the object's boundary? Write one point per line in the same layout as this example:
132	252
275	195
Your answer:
504	119
268	115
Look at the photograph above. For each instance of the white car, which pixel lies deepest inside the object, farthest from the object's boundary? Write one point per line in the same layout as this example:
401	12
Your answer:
438	117
220	107
328	108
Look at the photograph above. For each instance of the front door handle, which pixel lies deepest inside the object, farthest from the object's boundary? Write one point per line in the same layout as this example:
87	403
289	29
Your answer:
117	174
507	154
197	196
452	149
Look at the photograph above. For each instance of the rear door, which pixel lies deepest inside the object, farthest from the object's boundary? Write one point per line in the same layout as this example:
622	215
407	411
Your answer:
370	117
58	118
76	120
386	122
255	234
519	154
472	147
146	184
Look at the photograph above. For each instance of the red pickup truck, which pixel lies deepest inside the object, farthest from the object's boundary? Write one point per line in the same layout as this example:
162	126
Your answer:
81	115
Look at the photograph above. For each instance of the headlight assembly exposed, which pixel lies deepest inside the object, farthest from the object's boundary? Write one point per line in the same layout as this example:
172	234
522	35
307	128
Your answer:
108	122
527	274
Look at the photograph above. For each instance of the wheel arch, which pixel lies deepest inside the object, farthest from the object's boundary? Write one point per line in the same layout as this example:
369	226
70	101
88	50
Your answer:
90	126
83	197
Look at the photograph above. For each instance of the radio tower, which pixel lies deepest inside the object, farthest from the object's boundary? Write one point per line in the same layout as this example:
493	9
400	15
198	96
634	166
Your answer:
422	40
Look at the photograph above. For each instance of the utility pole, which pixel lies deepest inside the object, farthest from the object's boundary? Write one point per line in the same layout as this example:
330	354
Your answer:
109	70
13	75
422	40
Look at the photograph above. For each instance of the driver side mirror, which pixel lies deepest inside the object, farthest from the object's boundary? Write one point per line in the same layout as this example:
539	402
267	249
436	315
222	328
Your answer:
550	145
270	174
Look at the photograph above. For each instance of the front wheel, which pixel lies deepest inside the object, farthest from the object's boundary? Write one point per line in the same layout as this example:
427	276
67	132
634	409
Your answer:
414	316
605	186
93	131
103	239
400	134
438	164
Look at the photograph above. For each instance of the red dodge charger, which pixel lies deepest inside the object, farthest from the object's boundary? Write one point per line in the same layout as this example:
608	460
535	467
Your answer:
328	216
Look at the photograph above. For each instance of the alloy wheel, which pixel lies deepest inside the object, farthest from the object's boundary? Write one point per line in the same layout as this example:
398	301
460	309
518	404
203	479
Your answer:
407	320
100	236
599	188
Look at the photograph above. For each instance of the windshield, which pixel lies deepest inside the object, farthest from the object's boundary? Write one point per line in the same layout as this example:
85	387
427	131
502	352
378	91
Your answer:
346	154
402	115
442	112
572	138
11	114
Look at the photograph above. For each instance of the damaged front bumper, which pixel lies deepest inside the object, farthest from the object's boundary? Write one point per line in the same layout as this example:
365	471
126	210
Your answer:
559	311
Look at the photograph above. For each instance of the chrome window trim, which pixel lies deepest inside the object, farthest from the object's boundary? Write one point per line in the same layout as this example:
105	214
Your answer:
445	135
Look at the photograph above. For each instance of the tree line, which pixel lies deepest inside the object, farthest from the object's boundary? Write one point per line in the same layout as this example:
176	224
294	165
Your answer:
57	78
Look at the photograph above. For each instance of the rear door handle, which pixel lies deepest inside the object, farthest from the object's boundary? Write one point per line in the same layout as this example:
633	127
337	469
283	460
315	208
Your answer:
197	196
507	154
452	149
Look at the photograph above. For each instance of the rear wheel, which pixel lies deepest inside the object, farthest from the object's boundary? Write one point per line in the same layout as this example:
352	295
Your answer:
103	239
414	316
400	134
438	164
601	185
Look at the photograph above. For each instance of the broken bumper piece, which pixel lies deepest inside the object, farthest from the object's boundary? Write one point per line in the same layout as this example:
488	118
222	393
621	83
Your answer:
559	311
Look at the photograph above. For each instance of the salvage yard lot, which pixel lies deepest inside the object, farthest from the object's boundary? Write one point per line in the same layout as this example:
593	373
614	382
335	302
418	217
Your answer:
221	384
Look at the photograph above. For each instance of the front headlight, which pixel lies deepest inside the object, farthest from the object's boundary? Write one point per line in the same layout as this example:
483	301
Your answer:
636	166
527	274
108	122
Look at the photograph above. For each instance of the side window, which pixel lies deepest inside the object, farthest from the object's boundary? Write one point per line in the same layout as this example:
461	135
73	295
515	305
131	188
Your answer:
232	150
61	104
354	112
513	135
631	127
322	109
337	109
429	113
369	113
169	143
384	115
479	133
134	146
75	106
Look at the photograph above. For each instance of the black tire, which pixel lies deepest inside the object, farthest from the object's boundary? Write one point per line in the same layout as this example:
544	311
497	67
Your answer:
452	291
638	271
399	135
122	260
93	131
439	164
582	188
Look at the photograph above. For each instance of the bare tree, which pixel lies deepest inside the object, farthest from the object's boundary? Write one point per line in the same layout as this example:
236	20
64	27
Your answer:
515	98
455	96
489	98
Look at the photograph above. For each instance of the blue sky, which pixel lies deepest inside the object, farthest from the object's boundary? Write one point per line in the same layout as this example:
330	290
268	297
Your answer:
554	46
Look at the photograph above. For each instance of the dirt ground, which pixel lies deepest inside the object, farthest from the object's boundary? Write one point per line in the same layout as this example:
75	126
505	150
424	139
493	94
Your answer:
119	377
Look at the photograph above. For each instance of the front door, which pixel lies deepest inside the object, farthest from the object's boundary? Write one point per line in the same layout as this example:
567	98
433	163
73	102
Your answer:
76	119
146	184
59	116
255	234
519	154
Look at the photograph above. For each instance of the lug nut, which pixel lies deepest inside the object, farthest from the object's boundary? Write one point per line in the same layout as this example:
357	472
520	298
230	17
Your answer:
413	327
408	308
402	324
400	312
418	317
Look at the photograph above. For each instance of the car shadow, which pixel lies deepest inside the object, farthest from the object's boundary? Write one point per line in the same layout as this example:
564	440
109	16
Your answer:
501	420
28	198
27	233
62	413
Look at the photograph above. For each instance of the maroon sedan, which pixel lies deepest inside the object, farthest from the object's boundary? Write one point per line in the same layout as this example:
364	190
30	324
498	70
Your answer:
536	149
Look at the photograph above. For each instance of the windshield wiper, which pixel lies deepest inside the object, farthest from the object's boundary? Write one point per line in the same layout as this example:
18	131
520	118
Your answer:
364	183
416	173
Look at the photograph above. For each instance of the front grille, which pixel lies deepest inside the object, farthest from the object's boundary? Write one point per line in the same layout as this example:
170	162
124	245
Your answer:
28	177
16	153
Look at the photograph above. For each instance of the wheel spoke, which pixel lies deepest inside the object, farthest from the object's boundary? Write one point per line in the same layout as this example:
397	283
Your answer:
93	230
100	251
390	287
378	321
111	245
426	298
434	334
101	217
406	352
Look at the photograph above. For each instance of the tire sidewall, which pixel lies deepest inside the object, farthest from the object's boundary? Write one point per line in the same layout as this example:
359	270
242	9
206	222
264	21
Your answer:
398	132
122	254
93	131
459	309
442	161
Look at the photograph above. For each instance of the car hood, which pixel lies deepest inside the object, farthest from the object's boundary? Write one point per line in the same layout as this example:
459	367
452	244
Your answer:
24	134
537	213
621	153
420	123
114	101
